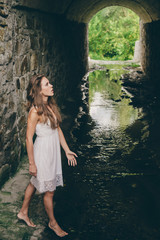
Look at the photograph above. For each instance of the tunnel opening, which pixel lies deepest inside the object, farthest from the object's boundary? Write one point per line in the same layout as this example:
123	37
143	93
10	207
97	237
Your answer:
113	34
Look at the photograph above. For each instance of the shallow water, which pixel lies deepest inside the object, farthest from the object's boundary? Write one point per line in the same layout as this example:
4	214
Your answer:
113	193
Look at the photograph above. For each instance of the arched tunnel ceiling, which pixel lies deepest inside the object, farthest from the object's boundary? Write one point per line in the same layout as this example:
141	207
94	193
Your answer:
84	10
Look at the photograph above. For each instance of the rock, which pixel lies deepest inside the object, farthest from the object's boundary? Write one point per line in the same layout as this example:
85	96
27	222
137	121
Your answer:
4	173
2	32
2	50
18	83
3	23
22	83
34	42
34	62
24	66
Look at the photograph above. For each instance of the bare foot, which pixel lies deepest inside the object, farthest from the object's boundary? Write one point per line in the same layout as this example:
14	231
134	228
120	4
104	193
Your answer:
56	228
25	218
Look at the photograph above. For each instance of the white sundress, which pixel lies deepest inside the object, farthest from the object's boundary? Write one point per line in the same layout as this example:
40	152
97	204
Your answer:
47	157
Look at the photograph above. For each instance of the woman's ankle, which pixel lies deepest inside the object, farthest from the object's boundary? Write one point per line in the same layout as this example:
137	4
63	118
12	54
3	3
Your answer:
23	212
52	222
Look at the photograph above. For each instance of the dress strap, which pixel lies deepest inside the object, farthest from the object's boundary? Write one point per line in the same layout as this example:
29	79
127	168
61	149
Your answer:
32	108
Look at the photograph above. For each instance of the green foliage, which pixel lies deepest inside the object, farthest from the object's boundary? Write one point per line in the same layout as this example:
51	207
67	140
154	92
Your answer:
133	65
112	34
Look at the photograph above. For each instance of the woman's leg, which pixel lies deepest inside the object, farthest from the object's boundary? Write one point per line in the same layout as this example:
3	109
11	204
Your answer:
23	213
48	203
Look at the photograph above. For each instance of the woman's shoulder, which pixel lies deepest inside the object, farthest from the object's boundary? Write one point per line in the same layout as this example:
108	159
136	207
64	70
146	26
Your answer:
33	113
33	109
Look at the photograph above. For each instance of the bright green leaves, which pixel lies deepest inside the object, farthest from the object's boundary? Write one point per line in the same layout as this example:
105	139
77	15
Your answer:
112	34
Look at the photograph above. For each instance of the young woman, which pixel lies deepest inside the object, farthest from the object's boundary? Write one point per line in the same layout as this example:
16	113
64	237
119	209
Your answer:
44	156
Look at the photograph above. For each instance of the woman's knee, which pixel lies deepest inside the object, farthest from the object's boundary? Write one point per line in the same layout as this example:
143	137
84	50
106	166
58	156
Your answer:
30	185
49	194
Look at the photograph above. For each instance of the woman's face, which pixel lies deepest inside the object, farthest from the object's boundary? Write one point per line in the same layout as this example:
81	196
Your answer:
46	88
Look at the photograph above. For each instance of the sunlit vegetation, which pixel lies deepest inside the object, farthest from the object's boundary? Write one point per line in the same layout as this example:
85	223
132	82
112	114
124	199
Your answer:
112	34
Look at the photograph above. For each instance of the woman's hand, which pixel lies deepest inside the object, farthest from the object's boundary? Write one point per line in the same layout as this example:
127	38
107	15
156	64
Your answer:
71	158
33	170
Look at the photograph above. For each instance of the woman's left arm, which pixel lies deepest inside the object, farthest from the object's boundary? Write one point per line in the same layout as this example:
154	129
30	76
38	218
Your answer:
69	154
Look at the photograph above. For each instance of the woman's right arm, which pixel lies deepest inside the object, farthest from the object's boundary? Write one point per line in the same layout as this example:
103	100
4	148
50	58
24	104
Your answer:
31	126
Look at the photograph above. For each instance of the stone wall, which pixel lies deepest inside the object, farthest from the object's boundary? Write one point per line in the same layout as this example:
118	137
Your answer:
150	51
34	42
137	52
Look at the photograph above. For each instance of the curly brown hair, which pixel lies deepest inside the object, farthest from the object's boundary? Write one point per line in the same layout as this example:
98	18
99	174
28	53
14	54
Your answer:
35	99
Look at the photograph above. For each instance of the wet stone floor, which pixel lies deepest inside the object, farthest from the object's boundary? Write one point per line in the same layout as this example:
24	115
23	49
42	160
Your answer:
114	192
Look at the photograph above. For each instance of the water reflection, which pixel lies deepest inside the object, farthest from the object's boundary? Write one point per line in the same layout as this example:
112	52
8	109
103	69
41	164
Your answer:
108	102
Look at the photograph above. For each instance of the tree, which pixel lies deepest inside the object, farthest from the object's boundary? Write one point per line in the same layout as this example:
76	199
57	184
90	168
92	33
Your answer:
112	34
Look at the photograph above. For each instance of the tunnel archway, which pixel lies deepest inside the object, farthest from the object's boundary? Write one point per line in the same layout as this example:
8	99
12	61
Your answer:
81	11
92	9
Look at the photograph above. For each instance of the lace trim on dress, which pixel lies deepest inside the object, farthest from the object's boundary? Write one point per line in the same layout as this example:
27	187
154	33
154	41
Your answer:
47	186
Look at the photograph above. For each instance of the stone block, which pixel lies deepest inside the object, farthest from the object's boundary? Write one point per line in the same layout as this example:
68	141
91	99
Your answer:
30	21
16	67
3	13
22	45
150	51
27	78
7	56
37	24
24	66
8	35
34	62
17	47
11	103
10	119
16	141
3	10
9	136
2	50
24	95
1	142
22	122
14	162
41	43
34	42
4	173
2	32
18	83
3	23
21	21
10	74
4	108
2	158
22	83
